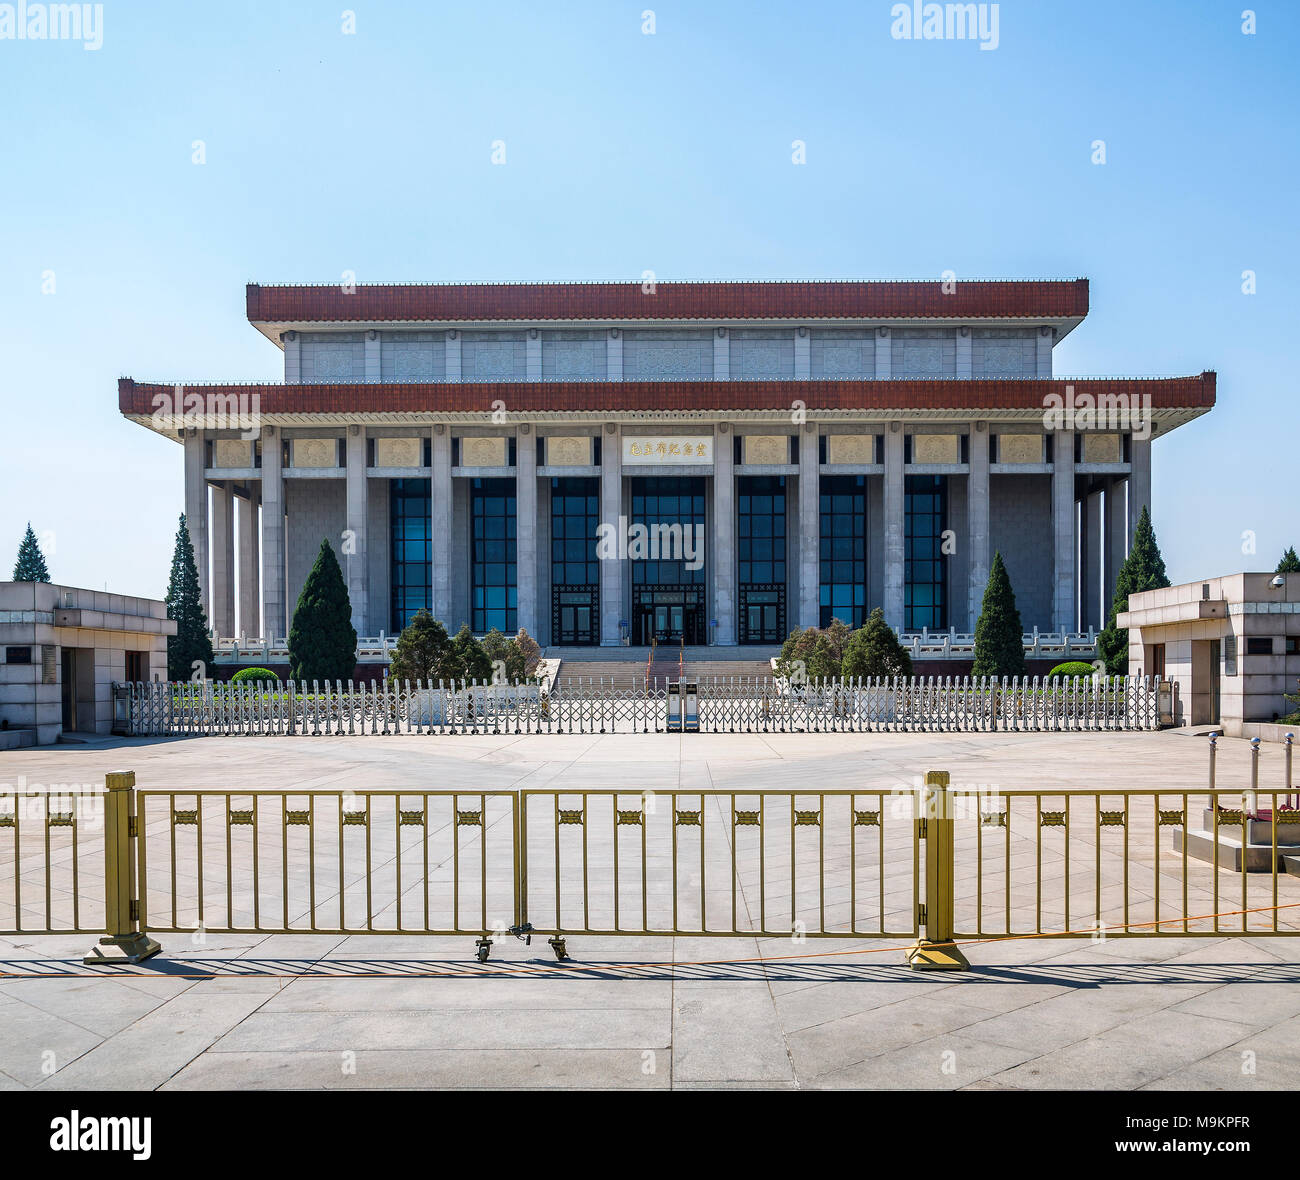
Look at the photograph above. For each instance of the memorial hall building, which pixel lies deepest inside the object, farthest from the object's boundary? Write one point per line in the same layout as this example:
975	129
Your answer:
713	462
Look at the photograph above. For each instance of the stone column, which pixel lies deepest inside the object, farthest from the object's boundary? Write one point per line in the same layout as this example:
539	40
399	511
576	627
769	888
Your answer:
441	547
356	567
963	352
884	355
1116	518
722	561
250	589
526	526
810	550
1063	529
373	362
196	510
611	505
802	353
721	355
1091	544
533	360
292	357
614	355
453	354
1046	338
223	560
274	620
977	519
894	548
1139	483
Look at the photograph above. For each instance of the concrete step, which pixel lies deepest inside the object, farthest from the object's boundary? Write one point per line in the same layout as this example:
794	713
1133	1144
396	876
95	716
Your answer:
17	739
1258	857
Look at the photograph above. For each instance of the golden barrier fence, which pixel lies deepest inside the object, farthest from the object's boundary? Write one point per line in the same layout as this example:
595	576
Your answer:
52	848
327	862
724	863
935	864
1124	863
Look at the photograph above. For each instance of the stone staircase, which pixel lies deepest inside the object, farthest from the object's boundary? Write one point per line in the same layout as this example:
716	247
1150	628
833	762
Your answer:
622	673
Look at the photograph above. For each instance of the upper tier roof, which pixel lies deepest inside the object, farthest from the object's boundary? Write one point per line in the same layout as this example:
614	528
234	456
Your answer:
1173	400
273	309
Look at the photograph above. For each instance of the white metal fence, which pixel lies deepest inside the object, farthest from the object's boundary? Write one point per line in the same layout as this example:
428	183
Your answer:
955	704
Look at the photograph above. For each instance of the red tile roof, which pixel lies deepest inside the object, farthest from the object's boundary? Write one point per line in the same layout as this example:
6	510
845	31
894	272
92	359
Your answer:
1166	393
477	302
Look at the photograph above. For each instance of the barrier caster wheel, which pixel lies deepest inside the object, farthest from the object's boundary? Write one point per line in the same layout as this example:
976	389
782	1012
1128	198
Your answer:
561	951
484	949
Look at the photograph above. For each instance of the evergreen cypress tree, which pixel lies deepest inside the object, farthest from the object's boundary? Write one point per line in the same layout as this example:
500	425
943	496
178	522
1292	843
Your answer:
30	566
185	606
1290	563
874	650
322	640
1143	569
423	651
999	634
468	657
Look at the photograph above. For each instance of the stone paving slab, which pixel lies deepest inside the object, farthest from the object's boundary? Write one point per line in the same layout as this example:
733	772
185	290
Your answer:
392	1010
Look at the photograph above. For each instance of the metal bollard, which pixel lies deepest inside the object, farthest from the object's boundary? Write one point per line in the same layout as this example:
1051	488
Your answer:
1250	804
1290	802
936	951
125	942
1214	752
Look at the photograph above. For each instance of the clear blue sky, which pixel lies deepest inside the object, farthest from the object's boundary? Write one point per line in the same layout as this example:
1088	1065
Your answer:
625	152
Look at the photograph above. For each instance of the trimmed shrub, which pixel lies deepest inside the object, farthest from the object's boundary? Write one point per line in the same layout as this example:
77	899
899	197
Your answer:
1071	668
255	674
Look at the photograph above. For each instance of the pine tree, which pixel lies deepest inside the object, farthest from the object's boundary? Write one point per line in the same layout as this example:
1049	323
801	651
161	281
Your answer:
322	640
423	651
1290	563
468	658
874	650
529	651
503	651
1143	569
999	635
30	566
191	644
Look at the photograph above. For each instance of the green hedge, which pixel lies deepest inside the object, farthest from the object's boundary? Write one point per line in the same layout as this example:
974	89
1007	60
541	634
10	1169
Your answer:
258	674
1071	668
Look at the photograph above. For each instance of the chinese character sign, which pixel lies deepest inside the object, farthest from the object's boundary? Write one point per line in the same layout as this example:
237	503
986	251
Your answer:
652	451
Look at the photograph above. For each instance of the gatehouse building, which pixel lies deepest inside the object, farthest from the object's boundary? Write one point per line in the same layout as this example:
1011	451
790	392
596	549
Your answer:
830	447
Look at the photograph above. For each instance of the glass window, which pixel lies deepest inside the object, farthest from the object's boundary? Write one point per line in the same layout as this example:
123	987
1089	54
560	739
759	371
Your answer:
925	566
843	549
492	564
409	508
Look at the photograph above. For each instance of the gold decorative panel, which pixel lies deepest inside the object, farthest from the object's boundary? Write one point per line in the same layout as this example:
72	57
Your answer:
1102	448
1020	448
398	452
568	451
232	452
314	452
765	448
483	452
850	448
936	448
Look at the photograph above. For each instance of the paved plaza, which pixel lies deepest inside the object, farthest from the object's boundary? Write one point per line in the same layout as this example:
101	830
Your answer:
377	1011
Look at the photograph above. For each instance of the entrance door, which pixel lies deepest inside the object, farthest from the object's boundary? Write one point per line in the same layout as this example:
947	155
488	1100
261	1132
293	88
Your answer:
1216	670
574	616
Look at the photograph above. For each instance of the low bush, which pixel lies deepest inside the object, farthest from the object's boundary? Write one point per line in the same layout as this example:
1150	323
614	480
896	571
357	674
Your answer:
1071	668
259	674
